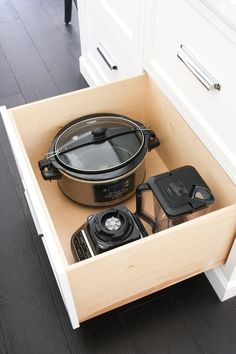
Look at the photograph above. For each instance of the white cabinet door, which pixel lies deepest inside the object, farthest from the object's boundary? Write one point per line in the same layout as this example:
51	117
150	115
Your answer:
211	113
124	16
40	218
106	56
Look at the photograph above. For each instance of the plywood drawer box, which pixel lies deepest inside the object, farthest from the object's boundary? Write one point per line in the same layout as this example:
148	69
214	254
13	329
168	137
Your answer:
106	281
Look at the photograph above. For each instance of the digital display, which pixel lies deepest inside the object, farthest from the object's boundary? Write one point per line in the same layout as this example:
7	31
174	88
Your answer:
116	187
112	191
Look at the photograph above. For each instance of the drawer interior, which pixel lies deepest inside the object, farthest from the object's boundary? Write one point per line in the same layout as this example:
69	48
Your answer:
140	99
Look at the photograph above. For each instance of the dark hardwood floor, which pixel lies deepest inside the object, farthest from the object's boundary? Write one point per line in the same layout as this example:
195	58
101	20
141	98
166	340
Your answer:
38	59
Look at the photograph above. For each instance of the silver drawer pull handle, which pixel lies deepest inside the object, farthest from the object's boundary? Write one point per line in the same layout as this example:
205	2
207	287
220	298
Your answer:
105	56
197	69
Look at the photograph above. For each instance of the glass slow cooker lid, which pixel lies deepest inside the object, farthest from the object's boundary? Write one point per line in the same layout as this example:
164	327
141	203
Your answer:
99	144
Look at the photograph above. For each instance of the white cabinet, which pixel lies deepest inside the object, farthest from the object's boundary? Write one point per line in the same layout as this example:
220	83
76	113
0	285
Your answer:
110	40
211	113
151	33
124	17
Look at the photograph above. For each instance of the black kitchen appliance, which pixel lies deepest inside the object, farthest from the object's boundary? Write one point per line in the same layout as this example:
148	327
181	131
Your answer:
178	195
99	159
106	230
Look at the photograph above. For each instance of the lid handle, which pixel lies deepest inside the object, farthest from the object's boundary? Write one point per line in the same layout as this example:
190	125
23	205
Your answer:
99	132
202	194
153	140
139	206
48	171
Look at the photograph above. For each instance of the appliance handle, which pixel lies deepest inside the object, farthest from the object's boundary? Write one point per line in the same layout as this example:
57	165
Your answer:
139	206
106	57
153	140
48	171
197	69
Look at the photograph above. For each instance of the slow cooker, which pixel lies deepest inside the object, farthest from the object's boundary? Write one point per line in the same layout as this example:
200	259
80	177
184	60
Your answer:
98	159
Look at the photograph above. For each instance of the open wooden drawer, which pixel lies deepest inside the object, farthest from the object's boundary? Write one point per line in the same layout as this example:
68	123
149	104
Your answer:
99	284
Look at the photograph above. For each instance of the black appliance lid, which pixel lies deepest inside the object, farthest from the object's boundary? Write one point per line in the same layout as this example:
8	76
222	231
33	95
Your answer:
111	225
181	191
100	143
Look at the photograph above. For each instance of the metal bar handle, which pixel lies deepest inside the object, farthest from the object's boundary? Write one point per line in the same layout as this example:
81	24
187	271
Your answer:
197	69
106	57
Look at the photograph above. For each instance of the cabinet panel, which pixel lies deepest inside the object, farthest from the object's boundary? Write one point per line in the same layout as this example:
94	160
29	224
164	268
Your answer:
210	112
105	51
124	16
105	57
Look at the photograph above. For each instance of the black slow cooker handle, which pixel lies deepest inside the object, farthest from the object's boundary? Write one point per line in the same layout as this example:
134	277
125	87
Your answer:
153	140
139	206
48	171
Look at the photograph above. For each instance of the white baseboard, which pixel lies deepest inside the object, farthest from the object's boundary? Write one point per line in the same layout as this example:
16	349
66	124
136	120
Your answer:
88	73
224	289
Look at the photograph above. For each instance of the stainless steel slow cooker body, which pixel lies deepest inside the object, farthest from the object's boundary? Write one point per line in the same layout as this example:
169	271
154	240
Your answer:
98	159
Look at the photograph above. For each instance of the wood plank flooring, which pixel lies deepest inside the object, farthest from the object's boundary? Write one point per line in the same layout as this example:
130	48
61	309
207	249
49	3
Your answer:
39	59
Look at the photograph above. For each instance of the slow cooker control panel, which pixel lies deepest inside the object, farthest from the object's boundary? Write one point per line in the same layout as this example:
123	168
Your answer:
111	191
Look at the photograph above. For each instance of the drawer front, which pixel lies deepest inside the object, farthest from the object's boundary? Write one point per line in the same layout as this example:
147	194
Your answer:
158	262
105	53
208	52
124	17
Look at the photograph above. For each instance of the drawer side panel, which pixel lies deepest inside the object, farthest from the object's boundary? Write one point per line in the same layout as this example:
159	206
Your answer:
40	216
